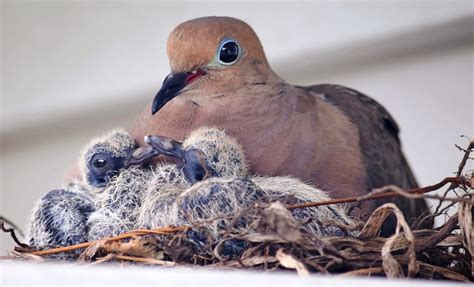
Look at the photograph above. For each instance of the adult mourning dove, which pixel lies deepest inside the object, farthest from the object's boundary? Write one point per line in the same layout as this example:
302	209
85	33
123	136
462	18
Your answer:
331	136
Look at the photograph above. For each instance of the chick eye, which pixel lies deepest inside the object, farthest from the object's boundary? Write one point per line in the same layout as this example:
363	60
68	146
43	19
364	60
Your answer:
99	163
228	52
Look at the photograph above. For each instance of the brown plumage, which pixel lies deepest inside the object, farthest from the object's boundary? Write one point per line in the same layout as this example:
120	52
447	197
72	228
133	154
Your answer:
333	137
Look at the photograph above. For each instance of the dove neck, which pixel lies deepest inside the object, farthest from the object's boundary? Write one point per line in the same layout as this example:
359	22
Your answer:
225	81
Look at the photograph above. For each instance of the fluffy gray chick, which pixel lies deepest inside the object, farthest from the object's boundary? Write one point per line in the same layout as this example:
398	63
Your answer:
216	164
62	217
113	167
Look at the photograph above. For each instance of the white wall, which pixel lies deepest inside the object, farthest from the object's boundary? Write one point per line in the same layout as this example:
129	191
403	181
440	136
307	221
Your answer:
72	70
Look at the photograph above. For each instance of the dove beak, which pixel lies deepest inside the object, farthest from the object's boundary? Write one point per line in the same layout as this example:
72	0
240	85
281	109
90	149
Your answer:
141	156
171	87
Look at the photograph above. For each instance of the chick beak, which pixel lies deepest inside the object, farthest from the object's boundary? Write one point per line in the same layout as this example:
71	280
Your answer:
193	162
166	146
140	156
171	87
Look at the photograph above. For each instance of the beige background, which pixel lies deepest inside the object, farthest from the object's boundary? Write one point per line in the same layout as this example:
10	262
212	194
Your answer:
72	70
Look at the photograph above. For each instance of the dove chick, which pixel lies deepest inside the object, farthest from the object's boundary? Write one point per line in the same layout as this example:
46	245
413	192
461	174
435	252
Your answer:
63	217
60	219
225	191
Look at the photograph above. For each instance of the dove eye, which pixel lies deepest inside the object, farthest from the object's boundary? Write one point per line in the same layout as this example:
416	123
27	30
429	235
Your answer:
100	163
228	52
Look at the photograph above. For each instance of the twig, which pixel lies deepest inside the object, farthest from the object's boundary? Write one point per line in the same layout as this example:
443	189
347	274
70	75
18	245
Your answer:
376	194
438	213
461	166
365	271
440	235
145	260
160	231
12	233
7	257
467	152
9	222
27	256
404	193
101	260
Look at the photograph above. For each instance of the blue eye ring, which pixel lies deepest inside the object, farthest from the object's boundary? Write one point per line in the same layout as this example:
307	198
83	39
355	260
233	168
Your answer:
229	52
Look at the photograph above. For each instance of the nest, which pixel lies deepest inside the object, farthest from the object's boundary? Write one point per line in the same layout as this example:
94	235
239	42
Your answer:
277	241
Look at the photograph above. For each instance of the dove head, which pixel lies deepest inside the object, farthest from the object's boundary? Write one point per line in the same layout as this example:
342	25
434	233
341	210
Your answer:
206	152
224	157
213	52
104	157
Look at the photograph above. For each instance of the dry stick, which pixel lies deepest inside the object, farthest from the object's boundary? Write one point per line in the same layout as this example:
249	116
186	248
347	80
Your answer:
145	260
101	260
13	225
439	236
453	180
12	234
161	231
464	159
461	166
404	193
363	272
